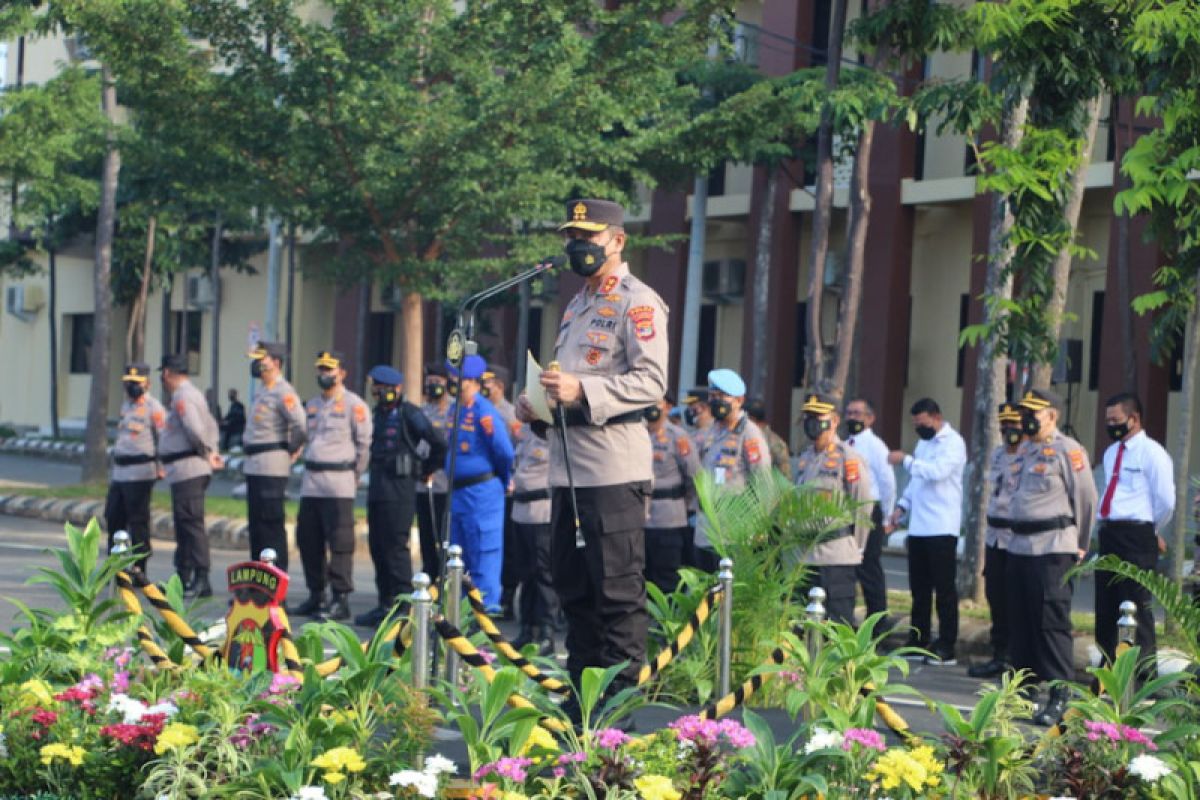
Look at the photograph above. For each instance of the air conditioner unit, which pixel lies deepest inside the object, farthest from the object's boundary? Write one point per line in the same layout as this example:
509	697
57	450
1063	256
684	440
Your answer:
77	49
23	302
724	280
200	293
391	296
746	38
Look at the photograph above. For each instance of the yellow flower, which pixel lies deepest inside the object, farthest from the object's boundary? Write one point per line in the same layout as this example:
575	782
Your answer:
539	738
175	736
339	717
70	753
333	777
513	796
925	756
656	787
897	766
36	692
340	759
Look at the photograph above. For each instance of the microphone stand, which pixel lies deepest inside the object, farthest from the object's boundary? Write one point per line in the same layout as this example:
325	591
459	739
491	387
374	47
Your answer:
462	341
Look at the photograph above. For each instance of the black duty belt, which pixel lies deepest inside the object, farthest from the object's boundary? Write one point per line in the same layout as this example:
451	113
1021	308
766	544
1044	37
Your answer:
171	458
531	496
1030	527
329	466
1126	524
999	522
463	483
575	418
265	447
129	461
673	493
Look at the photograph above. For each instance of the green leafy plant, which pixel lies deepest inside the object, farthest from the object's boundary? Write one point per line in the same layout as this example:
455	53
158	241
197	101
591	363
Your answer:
988	757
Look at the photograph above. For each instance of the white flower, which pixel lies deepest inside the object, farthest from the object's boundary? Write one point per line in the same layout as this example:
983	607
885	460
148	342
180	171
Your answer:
1149	768
426	784
310	793
822	739
167	709
438	764
132	710
3	746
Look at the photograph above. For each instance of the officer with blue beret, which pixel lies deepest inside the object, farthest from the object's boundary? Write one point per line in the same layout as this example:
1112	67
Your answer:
398	461
481	473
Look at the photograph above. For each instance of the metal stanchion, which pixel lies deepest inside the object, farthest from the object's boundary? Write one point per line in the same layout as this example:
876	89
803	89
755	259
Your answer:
816	613
1127	624
268	555
422	604
725	630
453	600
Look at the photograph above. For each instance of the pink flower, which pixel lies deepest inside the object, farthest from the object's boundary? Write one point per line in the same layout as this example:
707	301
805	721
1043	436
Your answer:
511	768
572	758
120	682
709	732
734	733
864	737
611	738
282	683
789	676
487	655
558	772
1137	737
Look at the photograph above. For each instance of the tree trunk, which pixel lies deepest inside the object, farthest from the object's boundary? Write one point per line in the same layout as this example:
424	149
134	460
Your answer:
814	369
860	216
52	256
1044	372
1183	437
135	337
95	460
214	278
1124	280
291	297
411	318
989	370
762	284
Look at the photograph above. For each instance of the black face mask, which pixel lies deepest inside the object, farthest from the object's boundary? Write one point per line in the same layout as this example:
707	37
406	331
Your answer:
653	414
386	397
586	257
1118	432
855	426
326	381
689	416
721	409
1030	425
452	389
926	432
134	390
256	369
814	427
434	390
1012	436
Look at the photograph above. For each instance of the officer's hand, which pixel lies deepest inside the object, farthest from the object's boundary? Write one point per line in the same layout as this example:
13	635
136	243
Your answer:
162	473
524	409
215	461
296	456
1082	555
562	387
1162	545
895	457
894	520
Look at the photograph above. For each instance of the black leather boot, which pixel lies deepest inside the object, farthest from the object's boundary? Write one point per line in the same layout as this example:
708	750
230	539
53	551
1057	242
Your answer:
339	609
372	618
524	637
185	578
545	641
200	586
313	606
1056	705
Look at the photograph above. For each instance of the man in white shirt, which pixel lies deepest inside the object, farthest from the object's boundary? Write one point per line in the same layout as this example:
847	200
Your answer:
860	436
1138	500
932	508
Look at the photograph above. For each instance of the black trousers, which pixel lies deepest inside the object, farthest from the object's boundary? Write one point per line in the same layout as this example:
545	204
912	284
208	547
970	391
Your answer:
667	549
187	511
429	524
510	572
600	586
539	603
127	508
1136	543
264	513
325	536
931	566
389	526
870	571
1039	604
995	561
839	583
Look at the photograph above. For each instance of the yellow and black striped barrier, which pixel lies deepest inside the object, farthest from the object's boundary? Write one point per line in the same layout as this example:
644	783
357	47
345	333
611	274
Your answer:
461	645
158	657
504	647
176	623
651	669
742	693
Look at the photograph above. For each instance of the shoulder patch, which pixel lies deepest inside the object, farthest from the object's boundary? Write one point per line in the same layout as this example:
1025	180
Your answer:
514	427
1078	462
289	401
311	408
683	446
485	422
643	322
159	419
180	407
753	451
360	413
851	470
609	284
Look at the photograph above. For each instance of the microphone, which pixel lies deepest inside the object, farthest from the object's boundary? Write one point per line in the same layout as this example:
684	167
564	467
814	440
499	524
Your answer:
553	262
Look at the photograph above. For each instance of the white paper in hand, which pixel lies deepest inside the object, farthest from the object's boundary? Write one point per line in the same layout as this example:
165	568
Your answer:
534	391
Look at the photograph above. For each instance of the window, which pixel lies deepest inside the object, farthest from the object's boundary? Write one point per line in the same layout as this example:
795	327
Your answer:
964	311
192	338
81	342
801	361
706	348
1094	344
381	329
716	181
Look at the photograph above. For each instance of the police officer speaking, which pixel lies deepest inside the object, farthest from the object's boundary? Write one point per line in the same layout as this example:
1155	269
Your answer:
135	465
1052	511
273	437
481	472
399	428
339	437
830	465
187	449
612	348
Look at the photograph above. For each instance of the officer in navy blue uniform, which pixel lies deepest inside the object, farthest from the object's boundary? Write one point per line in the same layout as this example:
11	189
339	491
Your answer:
481	473
398	429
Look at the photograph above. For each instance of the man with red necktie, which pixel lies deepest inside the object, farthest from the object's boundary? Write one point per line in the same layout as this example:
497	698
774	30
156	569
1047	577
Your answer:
1138	501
